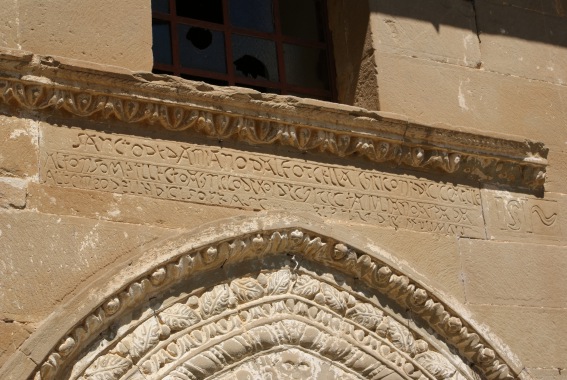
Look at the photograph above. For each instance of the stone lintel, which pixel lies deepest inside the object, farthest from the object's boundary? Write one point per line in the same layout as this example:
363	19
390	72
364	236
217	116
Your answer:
87	90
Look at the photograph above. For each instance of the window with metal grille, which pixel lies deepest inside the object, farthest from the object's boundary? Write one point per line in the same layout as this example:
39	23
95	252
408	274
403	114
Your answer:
277	46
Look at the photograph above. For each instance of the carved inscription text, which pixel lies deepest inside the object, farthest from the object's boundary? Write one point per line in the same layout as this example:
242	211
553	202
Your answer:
228	177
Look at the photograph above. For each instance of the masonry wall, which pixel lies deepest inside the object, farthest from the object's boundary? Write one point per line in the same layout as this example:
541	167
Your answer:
488	65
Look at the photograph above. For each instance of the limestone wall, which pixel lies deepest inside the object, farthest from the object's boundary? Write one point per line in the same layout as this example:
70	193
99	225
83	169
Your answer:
487	67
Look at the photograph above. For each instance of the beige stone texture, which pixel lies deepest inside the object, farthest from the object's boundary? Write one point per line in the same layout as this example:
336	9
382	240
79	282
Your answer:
13	334
557	172
522	41
408	29
9	26
435	257
548	373
511	216
534	333
18	147
434	92
552	8
124	208
105	32
518	274
45	258
13	192
355	64
428	203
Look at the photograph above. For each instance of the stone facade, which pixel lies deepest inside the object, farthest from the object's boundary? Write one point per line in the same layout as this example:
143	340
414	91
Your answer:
157	228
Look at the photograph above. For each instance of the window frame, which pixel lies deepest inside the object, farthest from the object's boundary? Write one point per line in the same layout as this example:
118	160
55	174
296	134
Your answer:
231	78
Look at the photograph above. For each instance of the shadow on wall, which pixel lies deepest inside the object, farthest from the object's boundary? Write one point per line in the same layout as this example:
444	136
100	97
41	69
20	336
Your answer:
539	21
355	65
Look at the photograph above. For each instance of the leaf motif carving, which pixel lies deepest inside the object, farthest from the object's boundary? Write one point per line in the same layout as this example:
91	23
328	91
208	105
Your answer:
333	298
144	337
179	317
108	367
365	314
436	364
247	289
278	283
215	301
398	334
306	286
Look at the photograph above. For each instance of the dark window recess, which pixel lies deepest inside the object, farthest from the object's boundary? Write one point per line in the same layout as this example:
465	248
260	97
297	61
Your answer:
275	46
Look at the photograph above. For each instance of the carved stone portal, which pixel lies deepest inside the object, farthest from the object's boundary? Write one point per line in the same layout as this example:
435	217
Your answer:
270	324
273	305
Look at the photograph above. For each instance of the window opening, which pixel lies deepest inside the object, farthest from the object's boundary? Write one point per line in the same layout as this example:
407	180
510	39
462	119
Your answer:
277	46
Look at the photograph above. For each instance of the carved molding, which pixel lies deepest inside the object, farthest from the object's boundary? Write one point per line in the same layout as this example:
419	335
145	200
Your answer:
206	334
45	85
305	245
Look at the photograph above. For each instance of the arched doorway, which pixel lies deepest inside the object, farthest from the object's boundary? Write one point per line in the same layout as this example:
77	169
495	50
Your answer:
274	296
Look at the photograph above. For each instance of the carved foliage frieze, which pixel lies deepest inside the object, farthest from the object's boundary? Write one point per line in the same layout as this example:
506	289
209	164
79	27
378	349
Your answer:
287	292
495	160
202	335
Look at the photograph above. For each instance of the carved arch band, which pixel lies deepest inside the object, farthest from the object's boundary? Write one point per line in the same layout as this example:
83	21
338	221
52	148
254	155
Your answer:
248	296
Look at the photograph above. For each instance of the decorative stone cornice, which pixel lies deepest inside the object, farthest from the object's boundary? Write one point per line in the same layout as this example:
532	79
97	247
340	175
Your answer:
48	86
304	245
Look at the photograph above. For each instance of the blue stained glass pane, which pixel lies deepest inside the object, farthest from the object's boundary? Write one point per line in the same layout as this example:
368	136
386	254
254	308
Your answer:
161	42
252	14
201	48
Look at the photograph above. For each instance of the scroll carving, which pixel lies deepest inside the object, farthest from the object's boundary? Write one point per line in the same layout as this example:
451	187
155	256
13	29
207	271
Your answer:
228	306
478	157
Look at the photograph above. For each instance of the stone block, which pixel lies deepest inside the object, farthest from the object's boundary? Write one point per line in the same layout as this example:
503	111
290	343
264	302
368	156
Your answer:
12	334
554	8
548	373
522	42
533	333
432	92
442	31
355	63
124	208
9	25
434	257
523	217
23	367
518	274
46	258
12	192
18	147
556	172
106	32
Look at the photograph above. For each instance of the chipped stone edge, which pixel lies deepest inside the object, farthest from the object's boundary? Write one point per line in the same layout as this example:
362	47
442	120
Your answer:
85	90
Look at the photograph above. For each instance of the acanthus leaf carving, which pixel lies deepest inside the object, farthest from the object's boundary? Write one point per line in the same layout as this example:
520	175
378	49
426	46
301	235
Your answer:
399	335
247	289
215	301
365	314
306	286
332	297
179	317
143	338
436	364
108	367
278	283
